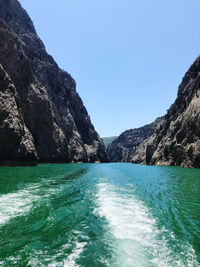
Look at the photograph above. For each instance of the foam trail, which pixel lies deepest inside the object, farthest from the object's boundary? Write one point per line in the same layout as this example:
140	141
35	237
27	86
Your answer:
137	240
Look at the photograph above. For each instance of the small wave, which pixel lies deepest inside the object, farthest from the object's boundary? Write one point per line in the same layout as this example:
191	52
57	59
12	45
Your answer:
77	248
71	259
15	204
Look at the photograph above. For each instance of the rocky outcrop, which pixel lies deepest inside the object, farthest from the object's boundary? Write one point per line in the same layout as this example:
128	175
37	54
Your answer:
123	148
177	141
42	117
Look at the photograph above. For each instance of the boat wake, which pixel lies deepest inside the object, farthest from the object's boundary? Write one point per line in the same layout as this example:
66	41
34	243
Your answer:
137	241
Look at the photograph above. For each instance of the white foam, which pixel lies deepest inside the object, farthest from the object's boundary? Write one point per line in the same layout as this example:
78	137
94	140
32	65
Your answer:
15	204
137	241
71	259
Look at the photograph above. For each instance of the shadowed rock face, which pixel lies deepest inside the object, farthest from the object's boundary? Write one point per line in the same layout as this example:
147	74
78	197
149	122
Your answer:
177	141
123	148
42	117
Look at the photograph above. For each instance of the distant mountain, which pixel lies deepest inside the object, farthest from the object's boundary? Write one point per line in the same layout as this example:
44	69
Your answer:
108	140
177	141
42	117
123	148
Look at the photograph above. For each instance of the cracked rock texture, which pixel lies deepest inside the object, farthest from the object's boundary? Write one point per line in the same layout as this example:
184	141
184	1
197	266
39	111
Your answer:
42	117
177	141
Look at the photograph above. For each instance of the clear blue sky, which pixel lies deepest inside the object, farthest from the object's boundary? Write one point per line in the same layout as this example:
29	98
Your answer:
127	56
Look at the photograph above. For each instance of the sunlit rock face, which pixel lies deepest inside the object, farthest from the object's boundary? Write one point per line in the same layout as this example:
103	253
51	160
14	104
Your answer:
123	148
177	140
42	117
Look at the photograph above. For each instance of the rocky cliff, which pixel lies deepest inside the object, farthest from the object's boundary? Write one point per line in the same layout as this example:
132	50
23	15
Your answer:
123	148
177	141
42	117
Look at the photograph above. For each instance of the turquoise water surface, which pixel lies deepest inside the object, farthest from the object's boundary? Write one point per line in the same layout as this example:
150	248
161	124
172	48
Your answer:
94	215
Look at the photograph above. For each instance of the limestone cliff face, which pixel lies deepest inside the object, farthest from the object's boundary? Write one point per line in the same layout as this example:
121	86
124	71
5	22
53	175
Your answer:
123	148
177	141
42	117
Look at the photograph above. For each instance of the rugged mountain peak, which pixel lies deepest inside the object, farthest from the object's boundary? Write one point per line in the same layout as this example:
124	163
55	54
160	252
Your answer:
177	141
40	107
16	17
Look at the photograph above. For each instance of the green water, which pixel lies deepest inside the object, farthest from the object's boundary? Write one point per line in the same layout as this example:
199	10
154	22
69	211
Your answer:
95	215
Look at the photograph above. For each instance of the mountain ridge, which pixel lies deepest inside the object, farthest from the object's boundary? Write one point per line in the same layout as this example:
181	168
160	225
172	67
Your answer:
43	118
177	141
